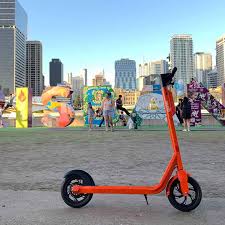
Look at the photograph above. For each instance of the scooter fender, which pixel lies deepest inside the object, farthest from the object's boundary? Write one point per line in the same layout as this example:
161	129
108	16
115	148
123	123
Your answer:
172	179
75	172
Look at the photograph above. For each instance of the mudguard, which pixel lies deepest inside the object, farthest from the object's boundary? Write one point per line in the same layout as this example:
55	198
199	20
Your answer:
81	173
172	179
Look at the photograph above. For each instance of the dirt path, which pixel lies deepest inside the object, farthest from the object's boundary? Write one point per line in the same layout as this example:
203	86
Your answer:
37	159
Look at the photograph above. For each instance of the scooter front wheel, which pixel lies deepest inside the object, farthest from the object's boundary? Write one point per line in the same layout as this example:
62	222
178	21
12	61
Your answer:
185	203
77	177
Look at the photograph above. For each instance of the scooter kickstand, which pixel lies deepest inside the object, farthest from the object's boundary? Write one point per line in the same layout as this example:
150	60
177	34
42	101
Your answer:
146	199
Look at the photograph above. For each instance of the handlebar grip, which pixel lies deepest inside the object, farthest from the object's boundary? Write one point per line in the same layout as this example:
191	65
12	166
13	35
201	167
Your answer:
174	71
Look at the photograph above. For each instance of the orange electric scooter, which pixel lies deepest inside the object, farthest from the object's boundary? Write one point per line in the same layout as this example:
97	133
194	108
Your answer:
183	192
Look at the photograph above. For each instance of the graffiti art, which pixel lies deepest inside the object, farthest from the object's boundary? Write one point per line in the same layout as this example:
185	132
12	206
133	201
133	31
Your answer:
95	96
58	113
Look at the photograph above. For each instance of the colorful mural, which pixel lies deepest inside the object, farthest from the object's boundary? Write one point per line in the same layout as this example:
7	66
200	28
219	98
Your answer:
150	106
95	96
57	113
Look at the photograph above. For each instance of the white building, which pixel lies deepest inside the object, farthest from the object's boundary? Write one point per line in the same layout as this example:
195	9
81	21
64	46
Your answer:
181	56
34	76
202	66
83	74
144	69
220	59
159	67
125	74
77	85
70	78
151	70
140	83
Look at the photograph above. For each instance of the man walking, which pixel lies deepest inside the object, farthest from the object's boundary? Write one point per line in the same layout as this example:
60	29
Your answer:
119	105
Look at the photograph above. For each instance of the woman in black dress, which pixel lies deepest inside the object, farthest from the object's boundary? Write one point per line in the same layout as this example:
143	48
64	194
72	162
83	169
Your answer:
186	113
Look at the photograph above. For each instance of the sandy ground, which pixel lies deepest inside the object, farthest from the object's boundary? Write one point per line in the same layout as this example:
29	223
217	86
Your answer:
36	159
46	208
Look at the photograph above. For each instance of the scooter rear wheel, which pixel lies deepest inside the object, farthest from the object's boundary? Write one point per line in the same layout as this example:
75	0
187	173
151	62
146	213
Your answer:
185	203
78	177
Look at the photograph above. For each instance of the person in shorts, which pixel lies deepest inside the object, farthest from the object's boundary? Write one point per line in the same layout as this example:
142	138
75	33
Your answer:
108	107
186	113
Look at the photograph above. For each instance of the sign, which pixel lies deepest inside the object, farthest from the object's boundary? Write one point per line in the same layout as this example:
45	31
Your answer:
193	93
23	108
196	116
197	92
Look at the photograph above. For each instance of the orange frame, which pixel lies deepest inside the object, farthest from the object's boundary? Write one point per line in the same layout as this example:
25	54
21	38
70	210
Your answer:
166	180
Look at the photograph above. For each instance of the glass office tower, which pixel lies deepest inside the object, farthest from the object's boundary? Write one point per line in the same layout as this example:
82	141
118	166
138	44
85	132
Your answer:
125	74
13	35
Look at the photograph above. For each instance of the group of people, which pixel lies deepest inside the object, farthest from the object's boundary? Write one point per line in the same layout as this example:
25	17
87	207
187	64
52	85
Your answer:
107	111
183	112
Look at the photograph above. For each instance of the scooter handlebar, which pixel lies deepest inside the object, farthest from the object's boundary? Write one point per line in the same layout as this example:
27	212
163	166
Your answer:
174	71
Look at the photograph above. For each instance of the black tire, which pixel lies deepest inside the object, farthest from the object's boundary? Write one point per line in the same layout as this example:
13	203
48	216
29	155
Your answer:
182	203
78	177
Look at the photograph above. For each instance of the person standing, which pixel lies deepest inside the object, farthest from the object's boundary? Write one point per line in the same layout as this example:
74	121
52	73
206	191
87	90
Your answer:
186	113
91	114
1	113
108	108
179	111
119	105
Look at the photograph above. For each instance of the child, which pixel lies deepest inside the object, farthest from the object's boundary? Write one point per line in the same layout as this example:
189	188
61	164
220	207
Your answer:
91	114
123	119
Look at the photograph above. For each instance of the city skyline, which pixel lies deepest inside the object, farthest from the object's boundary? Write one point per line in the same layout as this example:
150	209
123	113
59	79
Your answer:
94	38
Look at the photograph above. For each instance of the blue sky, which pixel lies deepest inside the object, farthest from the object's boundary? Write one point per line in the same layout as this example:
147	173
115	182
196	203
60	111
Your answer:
93	34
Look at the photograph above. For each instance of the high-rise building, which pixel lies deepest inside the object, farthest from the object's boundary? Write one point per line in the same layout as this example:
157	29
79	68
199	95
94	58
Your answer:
202	66
212	79
99	80
34	76
144	69
159	67
43	82
77	85
125	74
13	35
70	78
84	75
220	59
181	56
56	72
